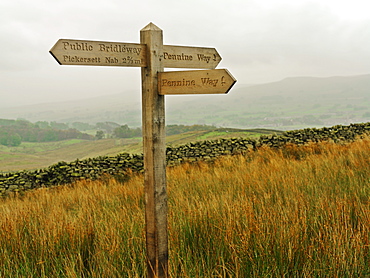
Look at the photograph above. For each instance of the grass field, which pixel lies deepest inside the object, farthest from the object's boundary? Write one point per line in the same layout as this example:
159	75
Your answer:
32	156
295	212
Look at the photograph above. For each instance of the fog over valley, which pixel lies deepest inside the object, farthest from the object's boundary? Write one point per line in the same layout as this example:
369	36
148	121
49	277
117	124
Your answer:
264	44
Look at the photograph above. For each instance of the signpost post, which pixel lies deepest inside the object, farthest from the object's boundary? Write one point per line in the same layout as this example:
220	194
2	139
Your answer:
154	146
152	56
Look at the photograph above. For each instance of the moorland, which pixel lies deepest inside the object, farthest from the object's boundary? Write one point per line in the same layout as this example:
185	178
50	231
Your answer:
296	211
274	210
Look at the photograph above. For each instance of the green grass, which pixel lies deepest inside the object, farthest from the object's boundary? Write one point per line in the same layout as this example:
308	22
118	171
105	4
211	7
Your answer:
31	156
32	148
5	156
295	212
229	133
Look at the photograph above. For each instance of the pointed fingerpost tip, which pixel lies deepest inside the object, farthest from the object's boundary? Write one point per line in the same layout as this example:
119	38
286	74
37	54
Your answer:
151	27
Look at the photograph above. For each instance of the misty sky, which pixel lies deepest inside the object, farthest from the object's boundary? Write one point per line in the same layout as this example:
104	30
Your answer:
259	41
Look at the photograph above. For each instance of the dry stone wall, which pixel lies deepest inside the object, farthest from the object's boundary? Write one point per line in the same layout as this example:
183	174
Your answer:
121	165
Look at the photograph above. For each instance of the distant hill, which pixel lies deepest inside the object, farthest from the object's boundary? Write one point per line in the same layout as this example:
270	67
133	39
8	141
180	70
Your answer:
291	103
114	108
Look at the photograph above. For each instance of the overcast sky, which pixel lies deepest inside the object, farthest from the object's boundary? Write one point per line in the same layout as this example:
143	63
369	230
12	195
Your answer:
259	41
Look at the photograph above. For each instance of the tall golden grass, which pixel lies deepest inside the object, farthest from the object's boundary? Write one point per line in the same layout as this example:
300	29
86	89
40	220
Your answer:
293	212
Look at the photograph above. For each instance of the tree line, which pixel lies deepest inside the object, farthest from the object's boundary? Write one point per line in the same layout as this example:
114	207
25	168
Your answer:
14	132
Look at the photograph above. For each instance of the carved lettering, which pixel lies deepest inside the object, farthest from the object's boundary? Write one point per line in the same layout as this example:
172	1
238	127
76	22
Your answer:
202	57
80	46
77	59
129	60
111	60
180	57
209	81
178	83
118	48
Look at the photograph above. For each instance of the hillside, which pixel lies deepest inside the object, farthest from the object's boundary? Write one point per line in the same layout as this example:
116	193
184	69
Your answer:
261	215
292	103
288	104
30	156
121	165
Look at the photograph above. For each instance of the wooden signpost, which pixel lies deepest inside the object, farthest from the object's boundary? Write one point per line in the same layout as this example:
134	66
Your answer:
152	56
95	53
190	57
217	81
98	53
